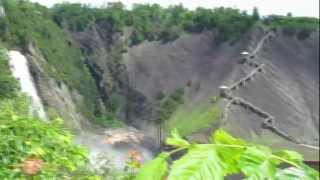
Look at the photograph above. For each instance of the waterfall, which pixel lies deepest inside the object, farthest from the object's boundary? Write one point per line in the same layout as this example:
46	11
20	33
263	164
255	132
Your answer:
2	12
20	70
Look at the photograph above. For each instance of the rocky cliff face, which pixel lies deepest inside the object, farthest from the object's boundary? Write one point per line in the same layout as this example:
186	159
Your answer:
58	98
287	89
104	52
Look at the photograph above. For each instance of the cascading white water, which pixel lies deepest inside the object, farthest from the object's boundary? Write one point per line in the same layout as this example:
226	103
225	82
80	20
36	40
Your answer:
20	70
2	12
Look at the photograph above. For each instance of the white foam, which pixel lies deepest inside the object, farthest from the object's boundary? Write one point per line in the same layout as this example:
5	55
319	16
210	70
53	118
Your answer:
20	70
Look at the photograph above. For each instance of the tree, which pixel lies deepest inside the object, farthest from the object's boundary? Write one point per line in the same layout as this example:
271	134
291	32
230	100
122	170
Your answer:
8	84
136	38
255	14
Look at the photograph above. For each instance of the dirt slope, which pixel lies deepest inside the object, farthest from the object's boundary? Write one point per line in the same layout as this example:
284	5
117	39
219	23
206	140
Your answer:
193	59
288	88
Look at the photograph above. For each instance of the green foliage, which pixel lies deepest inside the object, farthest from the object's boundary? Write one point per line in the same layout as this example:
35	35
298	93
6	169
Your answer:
176	140
23	138
8	84
77	15
227	156
152	22
201	162
26	23
256	14
290	26
292	174
169	104
155	169
258	163
191	119
109	120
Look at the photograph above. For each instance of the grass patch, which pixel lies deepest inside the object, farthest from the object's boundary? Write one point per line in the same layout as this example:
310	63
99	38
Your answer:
109	120
169	104
188	121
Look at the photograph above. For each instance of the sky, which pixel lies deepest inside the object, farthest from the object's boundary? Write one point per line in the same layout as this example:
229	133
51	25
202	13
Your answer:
266	7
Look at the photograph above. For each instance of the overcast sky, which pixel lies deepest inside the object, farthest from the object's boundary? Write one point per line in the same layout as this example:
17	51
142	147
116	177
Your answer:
281	7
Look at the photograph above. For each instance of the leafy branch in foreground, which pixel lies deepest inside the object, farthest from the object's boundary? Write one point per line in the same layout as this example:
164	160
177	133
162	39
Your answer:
34	149
224	157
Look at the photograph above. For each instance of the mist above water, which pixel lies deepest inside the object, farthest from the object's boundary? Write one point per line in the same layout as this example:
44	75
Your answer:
117	154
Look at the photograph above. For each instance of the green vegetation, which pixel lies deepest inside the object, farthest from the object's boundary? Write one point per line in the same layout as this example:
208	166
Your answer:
8	85
168	105
225	156
255	14
170	22
188	121
26	23
299	26
29	147
109	120
25	140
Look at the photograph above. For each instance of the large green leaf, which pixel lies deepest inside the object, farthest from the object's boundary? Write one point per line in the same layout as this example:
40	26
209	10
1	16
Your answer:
222	137
229	149
290	156
301	171
258	163
311	173
155	169
293	173
202	162
176	140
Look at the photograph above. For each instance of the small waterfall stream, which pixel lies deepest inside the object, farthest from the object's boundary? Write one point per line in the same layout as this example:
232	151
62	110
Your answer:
20	70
